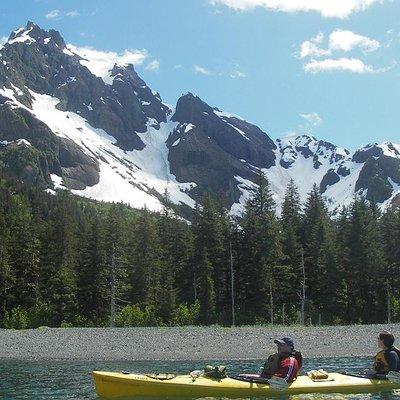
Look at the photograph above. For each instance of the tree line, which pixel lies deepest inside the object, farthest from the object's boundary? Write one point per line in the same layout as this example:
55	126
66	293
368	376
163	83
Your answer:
61	257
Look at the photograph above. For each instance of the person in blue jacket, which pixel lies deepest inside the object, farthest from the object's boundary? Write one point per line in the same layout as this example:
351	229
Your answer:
388	357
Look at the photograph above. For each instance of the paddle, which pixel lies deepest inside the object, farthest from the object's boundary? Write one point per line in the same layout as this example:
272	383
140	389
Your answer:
274	382
355	374
278	383
392	376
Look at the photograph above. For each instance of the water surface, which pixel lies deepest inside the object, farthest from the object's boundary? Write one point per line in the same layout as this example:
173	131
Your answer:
71	380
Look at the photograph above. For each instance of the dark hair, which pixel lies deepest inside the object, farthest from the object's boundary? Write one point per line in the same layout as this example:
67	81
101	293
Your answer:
387	338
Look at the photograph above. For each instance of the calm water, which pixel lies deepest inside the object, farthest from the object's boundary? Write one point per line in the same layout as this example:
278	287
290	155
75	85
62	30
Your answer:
71	380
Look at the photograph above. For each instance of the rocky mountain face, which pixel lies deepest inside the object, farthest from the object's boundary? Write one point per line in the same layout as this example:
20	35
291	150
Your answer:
212	148
115	140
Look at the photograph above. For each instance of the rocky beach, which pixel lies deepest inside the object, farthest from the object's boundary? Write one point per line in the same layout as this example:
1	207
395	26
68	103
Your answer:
187	343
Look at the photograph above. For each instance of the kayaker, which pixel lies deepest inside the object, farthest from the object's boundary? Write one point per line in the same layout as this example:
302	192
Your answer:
388	357
286	363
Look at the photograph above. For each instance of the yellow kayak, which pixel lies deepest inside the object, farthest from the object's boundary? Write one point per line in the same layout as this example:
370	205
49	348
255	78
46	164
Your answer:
118	385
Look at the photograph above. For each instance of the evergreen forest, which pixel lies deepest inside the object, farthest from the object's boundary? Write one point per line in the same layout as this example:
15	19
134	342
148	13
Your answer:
68	261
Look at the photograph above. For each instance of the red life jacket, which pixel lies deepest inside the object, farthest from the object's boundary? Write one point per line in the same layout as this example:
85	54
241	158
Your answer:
273	365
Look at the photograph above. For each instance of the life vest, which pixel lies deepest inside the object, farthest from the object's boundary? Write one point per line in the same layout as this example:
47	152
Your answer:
381	360
273	364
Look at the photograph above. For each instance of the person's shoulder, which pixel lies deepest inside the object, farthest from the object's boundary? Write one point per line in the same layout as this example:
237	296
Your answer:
290	359
296	361
393	353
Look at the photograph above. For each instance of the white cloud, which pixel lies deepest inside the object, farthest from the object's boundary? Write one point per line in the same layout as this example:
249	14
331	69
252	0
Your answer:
237	74
72	13
57	14
341	64
347	40
390	33
201	70
339	40
327	8
53	14
310	47
288	135
177	66
313	118
345	64
153	65
319	38
101	62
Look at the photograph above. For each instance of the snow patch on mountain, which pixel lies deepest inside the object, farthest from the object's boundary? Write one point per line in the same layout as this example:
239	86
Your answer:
188	128
246	188
343	192
224	114
21	35
302	171
127	176
390	149
10	95
239	130
18	142
57	181
303	159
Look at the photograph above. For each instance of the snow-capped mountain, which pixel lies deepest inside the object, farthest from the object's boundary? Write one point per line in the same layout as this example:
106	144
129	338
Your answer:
110	137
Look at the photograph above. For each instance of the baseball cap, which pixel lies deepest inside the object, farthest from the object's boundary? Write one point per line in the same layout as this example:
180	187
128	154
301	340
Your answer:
288	341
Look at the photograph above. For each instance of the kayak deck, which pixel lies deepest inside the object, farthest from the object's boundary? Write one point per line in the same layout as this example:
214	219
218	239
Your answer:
117	385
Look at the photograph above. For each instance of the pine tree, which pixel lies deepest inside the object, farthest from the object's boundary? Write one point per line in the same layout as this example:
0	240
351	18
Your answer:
169	262
321	262
390	228
291	207
145	266
206	289
211	235
92	288
262	252
58	255
365	280
117	249
7	280
291	230
24	255
63	297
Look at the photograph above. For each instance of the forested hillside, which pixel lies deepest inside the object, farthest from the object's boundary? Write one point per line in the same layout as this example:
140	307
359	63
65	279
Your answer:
61	256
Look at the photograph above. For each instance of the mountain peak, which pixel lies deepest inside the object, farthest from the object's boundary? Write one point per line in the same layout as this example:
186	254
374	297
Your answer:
190	98
30	24
190	95
189	108
33	33
376	150
23	34
126	71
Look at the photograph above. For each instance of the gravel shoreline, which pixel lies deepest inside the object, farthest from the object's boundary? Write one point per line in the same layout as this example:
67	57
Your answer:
186	343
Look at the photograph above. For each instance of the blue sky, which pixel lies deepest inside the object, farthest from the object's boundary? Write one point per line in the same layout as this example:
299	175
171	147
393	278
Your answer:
327	67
